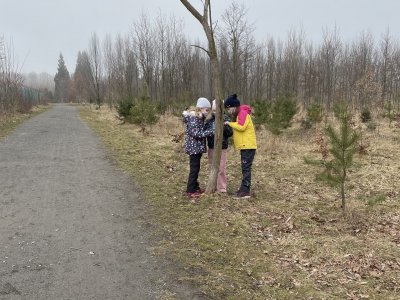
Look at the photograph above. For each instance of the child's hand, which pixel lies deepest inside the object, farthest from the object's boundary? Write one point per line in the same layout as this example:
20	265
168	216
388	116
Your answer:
226	123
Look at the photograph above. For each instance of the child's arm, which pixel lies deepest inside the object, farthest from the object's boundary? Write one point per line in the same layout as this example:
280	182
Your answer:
208	129
207	125
197	131
242	122
208	132
228	131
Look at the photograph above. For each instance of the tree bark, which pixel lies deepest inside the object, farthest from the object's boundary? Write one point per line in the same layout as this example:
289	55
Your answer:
206	22
342	190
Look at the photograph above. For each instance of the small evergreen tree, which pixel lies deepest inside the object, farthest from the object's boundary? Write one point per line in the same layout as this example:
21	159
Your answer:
365	115
343	145
281	114
315	113
389	112
143	112
123	107
262	111
341	111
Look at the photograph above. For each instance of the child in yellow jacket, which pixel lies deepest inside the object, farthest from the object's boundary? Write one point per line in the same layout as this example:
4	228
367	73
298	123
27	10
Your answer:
244	138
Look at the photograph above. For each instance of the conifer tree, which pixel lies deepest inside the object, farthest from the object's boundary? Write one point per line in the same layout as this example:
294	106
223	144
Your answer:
315	113
389	113
280	114
342	148
82	78
143	112
62	80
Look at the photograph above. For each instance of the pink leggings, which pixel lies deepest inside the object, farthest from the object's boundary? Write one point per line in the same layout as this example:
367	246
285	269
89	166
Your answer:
221	180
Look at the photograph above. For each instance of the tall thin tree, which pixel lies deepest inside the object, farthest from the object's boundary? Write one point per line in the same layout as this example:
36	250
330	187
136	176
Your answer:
205	20
96	69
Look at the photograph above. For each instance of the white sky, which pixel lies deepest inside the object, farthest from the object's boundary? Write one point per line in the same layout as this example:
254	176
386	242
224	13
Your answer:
41	29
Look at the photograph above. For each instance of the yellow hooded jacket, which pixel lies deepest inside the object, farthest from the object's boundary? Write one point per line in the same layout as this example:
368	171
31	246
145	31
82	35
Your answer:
244	135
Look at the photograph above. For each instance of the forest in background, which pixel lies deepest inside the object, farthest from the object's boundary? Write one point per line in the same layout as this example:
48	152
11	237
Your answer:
157	59
175	70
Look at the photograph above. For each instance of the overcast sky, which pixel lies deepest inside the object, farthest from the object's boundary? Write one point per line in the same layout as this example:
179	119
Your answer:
41	29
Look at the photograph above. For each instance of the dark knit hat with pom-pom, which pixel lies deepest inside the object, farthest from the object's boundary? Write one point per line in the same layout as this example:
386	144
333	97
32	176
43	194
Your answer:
232	101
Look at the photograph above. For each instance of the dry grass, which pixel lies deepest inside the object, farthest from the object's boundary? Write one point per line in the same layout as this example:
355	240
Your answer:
9	122
290	241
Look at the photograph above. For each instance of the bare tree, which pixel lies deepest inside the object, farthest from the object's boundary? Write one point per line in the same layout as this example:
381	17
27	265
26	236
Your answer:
96	69
368	89
125	73
238	41
257	75
329	54
131	71
396	76
292	63
362	52
10	79
109	63
171	45
271	67
386	70
309	75
144	45
194	78
205	20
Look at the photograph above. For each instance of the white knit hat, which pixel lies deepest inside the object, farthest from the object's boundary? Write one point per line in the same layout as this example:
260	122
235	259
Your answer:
203	103
214	105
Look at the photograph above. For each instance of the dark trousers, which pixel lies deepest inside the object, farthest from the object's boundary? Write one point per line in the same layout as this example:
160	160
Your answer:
247	157
193	184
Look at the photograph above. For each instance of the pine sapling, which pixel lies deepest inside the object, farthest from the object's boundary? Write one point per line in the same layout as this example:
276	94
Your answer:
389	112
143	112
343	145
315	113
281	114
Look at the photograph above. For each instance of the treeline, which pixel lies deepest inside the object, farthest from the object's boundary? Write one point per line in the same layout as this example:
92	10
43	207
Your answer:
42	81
10	81
16	93
157	57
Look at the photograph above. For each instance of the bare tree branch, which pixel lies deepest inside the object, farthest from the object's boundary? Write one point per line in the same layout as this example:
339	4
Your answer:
201	48
193	11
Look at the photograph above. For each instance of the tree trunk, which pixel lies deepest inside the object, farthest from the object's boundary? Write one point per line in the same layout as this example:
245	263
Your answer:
342	192
219	126
343	196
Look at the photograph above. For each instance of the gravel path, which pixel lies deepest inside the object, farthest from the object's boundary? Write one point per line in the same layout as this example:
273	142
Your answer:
71	224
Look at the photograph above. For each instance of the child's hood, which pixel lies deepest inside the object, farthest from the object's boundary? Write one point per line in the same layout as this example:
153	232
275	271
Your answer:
188	113
245	108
